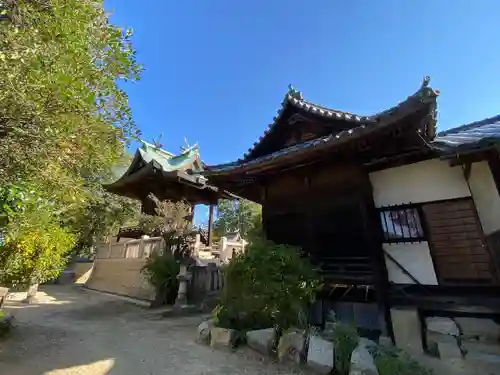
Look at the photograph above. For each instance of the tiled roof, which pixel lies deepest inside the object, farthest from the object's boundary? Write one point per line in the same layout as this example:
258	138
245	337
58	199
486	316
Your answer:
478	134
313	143
168	161
363	125
295	98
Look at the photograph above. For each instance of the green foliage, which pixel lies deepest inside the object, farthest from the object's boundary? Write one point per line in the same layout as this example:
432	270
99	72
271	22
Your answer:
171	222
268	285
161	270
36	248
64	125
5	324
245	216
103	216
345	338
62	113
393	361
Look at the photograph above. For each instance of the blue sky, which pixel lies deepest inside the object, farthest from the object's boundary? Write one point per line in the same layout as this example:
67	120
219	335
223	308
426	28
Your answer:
216	71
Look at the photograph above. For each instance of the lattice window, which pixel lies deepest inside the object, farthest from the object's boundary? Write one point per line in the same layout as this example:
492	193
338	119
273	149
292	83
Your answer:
402	224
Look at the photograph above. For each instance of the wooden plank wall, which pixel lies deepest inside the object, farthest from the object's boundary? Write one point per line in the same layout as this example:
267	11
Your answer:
456	242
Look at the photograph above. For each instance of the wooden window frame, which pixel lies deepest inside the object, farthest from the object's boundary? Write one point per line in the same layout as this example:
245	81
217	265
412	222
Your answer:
421	236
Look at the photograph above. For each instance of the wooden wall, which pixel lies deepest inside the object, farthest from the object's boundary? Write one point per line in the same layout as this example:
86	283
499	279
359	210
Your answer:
456	241
323	211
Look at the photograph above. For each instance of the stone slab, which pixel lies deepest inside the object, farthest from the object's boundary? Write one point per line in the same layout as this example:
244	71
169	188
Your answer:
362	362
449	350
320	355
486	330
222	337
407	330
261	340
445	326
291	346
204	329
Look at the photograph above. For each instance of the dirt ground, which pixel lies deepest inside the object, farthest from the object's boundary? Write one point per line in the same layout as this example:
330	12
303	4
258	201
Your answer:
74	332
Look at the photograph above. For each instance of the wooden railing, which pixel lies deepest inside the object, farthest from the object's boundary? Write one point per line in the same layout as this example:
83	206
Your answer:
134	249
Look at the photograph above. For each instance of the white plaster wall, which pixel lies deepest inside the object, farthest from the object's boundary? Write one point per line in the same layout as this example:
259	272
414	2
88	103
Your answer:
426	181
415	258
485	196
429	180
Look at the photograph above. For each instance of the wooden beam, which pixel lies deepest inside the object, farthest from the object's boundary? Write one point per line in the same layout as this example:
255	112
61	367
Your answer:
210	224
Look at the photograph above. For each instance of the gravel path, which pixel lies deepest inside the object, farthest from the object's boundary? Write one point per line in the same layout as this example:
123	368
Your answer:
74	332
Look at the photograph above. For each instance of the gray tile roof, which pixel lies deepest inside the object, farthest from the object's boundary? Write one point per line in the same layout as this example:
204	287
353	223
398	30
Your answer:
479	134
313	143
361	126
295	98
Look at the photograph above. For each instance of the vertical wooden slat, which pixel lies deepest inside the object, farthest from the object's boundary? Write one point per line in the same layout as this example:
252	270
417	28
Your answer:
210	224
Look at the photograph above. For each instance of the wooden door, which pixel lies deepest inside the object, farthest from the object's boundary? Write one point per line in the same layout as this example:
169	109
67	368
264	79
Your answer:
457	244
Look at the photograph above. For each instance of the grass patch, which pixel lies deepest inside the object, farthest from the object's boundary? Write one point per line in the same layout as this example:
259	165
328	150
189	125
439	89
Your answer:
396	362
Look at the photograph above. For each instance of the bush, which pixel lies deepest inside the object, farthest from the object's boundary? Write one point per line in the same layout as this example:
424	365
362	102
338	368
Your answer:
396	362
5	324
36	250
161	270
346	338
269	285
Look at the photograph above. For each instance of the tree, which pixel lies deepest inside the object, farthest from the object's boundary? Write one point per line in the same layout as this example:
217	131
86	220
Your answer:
64	124
64	118
171	222
36	246
104	215
243	215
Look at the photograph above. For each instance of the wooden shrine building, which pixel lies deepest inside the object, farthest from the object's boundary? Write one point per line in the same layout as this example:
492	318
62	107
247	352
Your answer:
169	177
381	201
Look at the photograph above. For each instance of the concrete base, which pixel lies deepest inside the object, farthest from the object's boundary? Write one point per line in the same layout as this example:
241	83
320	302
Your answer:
407	330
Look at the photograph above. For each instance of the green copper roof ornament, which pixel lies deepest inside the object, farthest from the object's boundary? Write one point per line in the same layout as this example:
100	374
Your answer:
187	148
294	93
156	142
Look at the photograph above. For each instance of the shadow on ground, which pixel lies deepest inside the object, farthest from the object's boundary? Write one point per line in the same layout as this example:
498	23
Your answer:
72	332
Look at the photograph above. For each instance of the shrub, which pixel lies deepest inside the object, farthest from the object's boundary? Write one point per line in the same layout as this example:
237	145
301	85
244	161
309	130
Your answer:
269	285
36	249
5	324
346	338
161	270
392	361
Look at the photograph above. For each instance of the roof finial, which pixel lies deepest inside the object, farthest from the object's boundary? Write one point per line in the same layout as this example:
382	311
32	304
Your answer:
425	82
187	147
294	93
156	142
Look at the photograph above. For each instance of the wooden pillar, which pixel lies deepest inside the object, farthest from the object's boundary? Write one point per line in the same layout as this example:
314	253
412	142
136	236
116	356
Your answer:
210	223
494	164
309	216
264	210
373	235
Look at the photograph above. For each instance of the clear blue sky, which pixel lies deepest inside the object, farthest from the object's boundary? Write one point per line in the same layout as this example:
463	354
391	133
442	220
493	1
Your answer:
216	71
